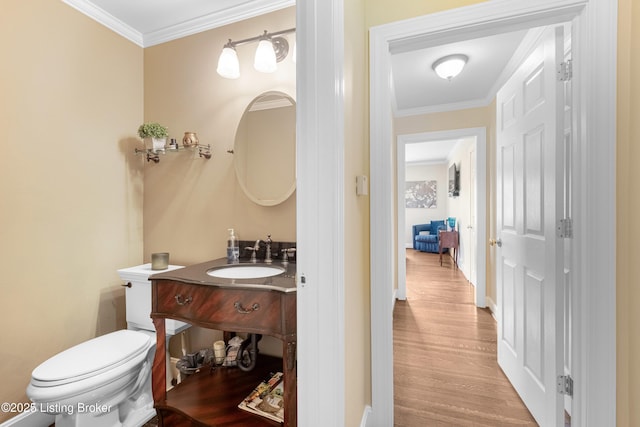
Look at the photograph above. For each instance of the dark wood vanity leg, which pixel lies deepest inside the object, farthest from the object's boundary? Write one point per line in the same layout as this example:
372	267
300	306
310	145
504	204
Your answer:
158	374
290	383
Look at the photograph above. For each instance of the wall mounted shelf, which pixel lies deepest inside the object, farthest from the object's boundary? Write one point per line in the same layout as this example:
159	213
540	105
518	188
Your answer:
152	155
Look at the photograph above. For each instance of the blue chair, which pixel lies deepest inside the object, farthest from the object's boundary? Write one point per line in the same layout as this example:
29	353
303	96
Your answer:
425	236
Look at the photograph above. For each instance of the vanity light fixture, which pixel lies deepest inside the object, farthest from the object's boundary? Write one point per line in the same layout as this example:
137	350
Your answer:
272	48
450	66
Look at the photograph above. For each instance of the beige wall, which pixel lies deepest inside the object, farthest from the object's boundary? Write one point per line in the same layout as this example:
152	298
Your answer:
380	12
357	307
189	202
628	206
71	187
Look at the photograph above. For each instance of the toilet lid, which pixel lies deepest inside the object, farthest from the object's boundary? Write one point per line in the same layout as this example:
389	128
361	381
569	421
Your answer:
92	357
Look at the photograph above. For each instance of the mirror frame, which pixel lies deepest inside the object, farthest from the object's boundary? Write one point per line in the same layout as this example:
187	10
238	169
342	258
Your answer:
287	194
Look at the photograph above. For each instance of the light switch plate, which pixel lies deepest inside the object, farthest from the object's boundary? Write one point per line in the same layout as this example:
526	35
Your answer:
362	185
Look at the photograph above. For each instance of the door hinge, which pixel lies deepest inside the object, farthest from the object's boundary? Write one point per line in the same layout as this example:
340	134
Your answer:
565	228
565	71
565	385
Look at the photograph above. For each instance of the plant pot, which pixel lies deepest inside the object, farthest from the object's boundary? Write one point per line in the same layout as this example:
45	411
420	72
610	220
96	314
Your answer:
157	144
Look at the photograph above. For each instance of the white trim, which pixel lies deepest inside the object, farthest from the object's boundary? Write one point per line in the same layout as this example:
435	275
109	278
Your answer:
364	422
215	20
381	226
594	321
493	307
595	49
481	182
30	419
320	213
183	29
462	105
401	257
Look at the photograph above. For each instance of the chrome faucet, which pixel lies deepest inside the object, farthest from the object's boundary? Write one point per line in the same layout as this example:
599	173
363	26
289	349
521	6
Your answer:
267	257
285	254
254	249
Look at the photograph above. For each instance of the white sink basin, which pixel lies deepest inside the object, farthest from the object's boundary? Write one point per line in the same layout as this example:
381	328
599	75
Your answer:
245	271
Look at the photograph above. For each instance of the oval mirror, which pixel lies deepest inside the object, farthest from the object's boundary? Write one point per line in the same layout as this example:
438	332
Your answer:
265	149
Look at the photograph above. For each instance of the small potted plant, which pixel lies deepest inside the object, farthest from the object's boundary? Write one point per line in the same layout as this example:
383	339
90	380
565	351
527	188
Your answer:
156	132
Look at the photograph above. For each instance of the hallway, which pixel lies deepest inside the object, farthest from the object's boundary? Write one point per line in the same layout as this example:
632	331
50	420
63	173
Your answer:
445	371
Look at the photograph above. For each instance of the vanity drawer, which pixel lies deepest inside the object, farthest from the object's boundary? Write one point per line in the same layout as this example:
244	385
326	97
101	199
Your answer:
240	310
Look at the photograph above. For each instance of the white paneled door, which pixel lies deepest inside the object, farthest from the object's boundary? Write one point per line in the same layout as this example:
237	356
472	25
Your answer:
528	253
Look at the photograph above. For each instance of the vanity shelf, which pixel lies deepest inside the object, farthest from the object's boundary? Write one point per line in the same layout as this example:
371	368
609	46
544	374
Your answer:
154	155
210	398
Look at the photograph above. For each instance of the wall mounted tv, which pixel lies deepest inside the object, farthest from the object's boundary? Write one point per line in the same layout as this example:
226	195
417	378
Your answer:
454	181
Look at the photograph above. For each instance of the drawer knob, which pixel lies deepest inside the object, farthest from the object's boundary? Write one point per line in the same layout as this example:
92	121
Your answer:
182	301
240	309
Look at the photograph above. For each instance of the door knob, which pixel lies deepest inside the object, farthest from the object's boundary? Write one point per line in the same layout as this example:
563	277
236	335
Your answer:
494	242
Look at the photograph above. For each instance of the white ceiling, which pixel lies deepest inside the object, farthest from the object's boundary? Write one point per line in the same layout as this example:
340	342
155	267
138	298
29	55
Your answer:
418	90
416	87
430	152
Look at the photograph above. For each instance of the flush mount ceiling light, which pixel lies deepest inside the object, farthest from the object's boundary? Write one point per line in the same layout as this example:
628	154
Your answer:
450	66
271	49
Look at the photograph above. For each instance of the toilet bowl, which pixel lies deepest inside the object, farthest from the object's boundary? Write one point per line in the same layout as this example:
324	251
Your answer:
103	382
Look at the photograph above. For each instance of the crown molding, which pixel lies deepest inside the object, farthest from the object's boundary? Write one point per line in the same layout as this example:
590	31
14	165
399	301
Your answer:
183	29
214	20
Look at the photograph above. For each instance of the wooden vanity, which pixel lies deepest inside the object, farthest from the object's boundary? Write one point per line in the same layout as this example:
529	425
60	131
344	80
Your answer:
262	306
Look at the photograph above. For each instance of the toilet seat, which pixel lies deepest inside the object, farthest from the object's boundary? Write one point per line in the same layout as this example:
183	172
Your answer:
91	358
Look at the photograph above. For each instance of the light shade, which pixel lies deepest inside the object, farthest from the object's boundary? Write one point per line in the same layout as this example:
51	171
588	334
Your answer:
228	65
265	60
450	66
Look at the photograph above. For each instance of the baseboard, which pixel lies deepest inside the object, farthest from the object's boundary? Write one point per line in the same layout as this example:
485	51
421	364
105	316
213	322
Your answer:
365	416
491	305
30	419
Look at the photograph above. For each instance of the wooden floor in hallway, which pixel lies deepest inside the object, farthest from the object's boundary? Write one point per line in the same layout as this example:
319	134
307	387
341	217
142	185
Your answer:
445	367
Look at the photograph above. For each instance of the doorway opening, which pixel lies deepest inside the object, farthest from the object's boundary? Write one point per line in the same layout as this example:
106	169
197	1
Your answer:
595	41
474	221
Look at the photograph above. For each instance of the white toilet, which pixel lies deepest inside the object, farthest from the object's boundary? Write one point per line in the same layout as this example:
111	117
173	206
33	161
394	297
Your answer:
106	381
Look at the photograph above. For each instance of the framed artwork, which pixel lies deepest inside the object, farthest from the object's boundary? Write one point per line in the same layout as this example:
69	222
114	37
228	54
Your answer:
421	194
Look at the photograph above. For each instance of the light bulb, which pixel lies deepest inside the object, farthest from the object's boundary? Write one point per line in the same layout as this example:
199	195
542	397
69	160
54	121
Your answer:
228	65
265	60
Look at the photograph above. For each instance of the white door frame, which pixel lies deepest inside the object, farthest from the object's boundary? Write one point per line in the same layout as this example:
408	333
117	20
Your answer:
594	316
481	183
320	212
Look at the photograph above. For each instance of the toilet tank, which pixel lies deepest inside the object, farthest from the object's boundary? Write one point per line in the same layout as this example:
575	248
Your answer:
138	299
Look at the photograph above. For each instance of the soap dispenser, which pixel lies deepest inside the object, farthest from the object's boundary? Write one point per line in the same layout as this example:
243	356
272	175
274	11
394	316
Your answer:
233	248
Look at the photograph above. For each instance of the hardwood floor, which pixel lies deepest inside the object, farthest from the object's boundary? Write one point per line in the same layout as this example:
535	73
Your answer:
445	372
